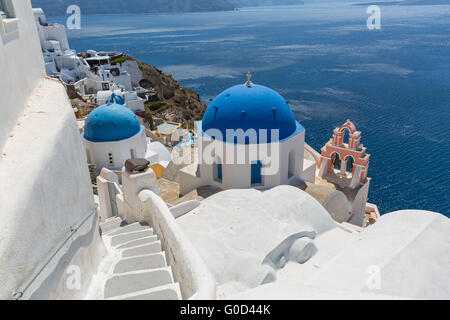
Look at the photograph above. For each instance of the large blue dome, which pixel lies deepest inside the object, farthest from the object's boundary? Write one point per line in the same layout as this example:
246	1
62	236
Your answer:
250	107
111	122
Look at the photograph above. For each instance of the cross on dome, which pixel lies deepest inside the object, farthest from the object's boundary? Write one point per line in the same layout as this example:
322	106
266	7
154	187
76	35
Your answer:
249	83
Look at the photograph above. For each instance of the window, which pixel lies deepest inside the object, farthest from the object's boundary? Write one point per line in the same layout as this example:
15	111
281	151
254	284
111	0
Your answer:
350	164
217	172
217	169
291	166
3	12
256	173
111	160
8	22
337	161
6	9
346	136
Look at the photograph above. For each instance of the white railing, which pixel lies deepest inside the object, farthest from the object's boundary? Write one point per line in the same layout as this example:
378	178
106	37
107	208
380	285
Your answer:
189	269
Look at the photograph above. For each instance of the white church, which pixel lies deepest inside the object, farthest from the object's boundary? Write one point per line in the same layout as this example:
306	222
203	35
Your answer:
112	134
249	138
260	238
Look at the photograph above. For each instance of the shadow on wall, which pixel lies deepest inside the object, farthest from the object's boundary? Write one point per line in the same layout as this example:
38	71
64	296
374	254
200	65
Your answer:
60	276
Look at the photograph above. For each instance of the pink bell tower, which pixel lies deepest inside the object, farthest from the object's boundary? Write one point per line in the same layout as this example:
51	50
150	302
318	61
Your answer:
342	162
345	164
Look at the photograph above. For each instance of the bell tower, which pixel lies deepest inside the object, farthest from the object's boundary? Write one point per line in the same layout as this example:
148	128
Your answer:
345	164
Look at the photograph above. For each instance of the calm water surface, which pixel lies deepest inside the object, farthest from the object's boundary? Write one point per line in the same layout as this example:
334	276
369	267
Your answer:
394	83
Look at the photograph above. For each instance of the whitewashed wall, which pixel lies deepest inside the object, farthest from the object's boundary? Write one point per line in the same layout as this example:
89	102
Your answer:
45	191
21	65
238	176
45	188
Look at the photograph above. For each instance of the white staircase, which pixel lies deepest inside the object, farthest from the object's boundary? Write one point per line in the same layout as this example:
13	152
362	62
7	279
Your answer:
141	273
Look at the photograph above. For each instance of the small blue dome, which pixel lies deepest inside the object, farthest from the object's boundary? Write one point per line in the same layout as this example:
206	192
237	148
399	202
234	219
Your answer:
250	107
111	122
115	99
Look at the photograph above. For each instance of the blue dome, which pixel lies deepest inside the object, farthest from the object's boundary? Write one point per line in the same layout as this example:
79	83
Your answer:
111	122
250	107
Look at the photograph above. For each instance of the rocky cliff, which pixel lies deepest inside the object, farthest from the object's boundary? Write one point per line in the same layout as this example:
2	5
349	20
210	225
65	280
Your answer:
168	99
173	102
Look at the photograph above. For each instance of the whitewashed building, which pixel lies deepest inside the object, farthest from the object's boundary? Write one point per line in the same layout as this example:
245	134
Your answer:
248	138
238	244
112	135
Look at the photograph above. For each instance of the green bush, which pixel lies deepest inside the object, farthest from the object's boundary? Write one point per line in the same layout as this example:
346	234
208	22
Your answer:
155	105
119	60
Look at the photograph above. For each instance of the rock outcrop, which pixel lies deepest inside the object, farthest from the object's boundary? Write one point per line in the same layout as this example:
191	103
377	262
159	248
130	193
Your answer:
169	100
176	103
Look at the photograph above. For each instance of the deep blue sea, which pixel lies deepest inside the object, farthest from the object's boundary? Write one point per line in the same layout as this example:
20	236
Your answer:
393	83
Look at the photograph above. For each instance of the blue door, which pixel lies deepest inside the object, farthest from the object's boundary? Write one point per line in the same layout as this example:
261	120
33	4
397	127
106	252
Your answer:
219	171
256	172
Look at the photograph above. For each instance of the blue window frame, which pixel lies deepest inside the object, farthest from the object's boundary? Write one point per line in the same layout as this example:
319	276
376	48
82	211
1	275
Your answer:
256	172
217	172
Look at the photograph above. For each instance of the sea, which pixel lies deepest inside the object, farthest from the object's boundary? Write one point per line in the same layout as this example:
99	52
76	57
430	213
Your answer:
392	82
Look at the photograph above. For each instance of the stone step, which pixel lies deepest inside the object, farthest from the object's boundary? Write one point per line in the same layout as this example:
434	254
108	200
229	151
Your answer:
128	228
151	248
138	242
110	225
131	282
110	220
145	262
122	238
168	292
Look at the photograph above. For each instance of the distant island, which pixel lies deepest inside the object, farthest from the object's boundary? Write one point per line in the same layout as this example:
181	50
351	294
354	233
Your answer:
406	3
58	7
256	3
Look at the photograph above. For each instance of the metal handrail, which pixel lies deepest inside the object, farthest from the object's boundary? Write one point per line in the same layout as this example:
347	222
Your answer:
19	294
119	190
